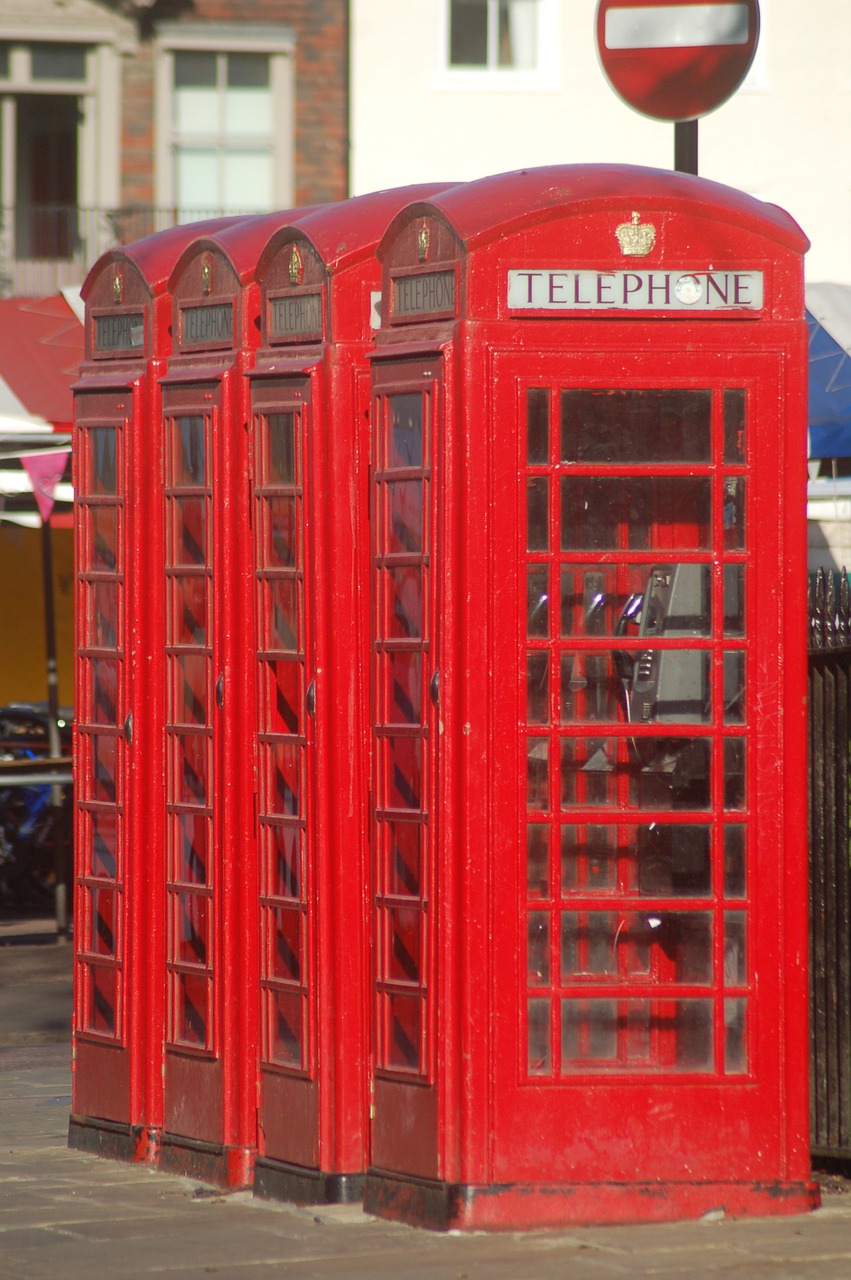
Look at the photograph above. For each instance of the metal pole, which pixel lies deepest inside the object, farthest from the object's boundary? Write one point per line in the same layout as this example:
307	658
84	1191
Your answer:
685	146
60	897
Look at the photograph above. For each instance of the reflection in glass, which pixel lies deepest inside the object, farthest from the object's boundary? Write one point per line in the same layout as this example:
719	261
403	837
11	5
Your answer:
405	440
537	425
588	858
538	949
734	513
537	860
190	451
674	860
734	599
589	943
735	1036
735	948
537	688
103	476
281	467
589	1030
537	773
537	601
590	687
606	513
635	426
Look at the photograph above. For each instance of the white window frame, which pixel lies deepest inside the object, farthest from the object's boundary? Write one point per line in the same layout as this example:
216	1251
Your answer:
543	78
278	43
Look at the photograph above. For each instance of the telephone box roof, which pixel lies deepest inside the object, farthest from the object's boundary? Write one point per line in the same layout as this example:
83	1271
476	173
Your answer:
482	210
155	255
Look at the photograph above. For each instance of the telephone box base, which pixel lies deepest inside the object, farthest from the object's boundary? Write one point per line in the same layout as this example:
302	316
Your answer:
230	1167
113	1140
275	1180
442	1206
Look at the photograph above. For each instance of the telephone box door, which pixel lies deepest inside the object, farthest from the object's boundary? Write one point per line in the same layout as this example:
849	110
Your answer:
194	683
405	697
650	822
103	1082
289	1093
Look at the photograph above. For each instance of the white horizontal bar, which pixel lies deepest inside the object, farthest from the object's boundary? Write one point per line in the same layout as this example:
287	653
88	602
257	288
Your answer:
656	26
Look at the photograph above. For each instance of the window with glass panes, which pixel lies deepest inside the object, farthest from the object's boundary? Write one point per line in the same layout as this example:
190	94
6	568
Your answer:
634	673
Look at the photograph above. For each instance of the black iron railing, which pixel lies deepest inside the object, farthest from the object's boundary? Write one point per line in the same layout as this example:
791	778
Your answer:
830	863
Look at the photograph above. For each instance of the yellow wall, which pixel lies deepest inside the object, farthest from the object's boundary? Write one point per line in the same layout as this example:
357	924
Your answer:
22	652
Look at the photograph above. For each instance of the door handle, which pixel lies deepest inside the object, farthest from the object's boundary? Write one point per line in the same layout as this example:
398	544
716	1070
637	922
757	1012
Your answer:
128	729
220	691
310	699
434	689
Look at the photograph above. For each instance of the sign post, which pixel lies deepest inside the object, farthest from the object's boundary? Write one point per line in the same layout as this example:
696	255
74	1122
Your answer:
677	60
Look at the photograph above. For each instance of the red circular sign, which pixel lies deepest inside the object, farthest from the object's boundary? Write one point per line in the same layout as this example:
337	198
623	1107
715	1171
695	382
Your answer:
676	59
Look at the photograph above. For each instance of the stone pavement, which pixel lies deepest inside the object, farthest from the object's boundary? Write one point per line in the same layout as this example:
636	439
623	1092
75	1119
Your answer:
69	1216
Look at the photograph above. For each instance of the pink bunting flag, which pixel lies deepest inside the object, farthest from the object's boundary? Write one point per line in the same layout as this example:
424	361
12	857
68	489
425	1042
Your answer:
45	470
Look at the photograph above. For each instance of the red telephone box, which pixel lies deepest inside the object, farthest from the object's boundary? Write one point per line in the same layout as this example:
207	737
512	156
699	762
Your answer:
309	416
588	680
117	1102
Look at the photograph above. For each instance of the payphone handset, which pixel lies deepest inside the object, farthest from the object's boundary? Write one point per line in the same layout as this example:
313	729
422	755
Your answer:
671	685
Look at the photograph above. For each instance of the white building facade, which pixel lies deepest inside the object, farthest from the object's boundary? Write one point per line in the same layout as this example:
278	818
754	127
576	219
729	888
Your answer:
455	89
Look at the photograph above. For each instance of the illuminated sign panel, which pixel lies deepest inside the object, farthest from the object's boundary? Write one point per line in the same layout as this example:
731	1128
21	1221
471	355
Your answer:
561	289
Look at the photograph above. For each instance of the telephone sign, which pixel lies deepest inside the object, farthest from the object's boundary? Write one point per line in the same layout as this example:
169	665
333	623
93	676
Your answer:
676	60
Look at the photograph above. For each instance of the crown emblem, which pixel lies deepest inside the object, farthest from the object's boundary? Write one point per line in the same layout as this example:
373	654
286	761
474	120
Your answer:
117	288
206	276
636	238
423	240
296	267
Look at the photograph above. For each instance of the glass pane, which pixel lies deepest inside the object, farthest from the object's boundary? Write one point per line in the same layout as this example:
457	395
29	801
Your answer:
735	1036
405	773
247	180
403	845
404	615
286	941
104	614
247	71
248	99
669	686
190	693
734	773
630	426
734	599
404	1038
589	943
403	691
468	33
285	1028
405	513
537	860
192	767
735	879
103	552
189	458
518	34
539	1058
189	543
192	990
101	997
281	461
734	687
538	425
405	432
402	961
643	1035
537	512
284	697
192	845
734	427
58	61
282	541
592	687
104	843
283	784
283	852
735	949
674	861
193	928
608	513
103	921
104	691
189	625
589	1030
538	773
537	601
196	173
283	614
734	514
588	859
537	688
649	773
538	949
195	99
103	463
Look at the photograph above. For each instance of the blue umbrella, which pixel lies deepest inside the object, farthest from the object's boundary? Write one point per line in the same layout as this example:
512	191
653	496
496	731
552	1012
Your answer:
829	321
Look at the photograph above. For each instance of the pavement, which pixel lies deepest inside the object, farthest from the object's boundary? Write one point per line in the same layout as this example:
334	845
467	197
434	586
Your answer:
70	1216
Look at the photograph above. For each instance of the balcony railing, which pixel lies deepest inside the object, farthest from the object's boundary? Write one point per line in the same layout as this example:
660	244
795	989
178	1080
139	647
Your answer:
50	247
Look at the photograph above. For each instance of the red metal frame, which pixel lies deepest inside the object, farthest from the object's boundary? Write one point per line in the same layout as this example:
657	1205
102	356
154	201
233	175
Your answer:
532	1120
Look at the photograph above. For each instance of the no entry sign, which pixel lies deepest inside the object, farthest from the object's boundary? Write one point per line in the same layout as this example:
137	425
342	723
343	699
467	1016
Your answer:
676	59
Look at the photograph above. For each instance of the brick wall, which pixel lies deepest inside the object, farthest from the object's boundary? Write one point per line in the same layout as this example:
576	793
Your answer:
321	92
